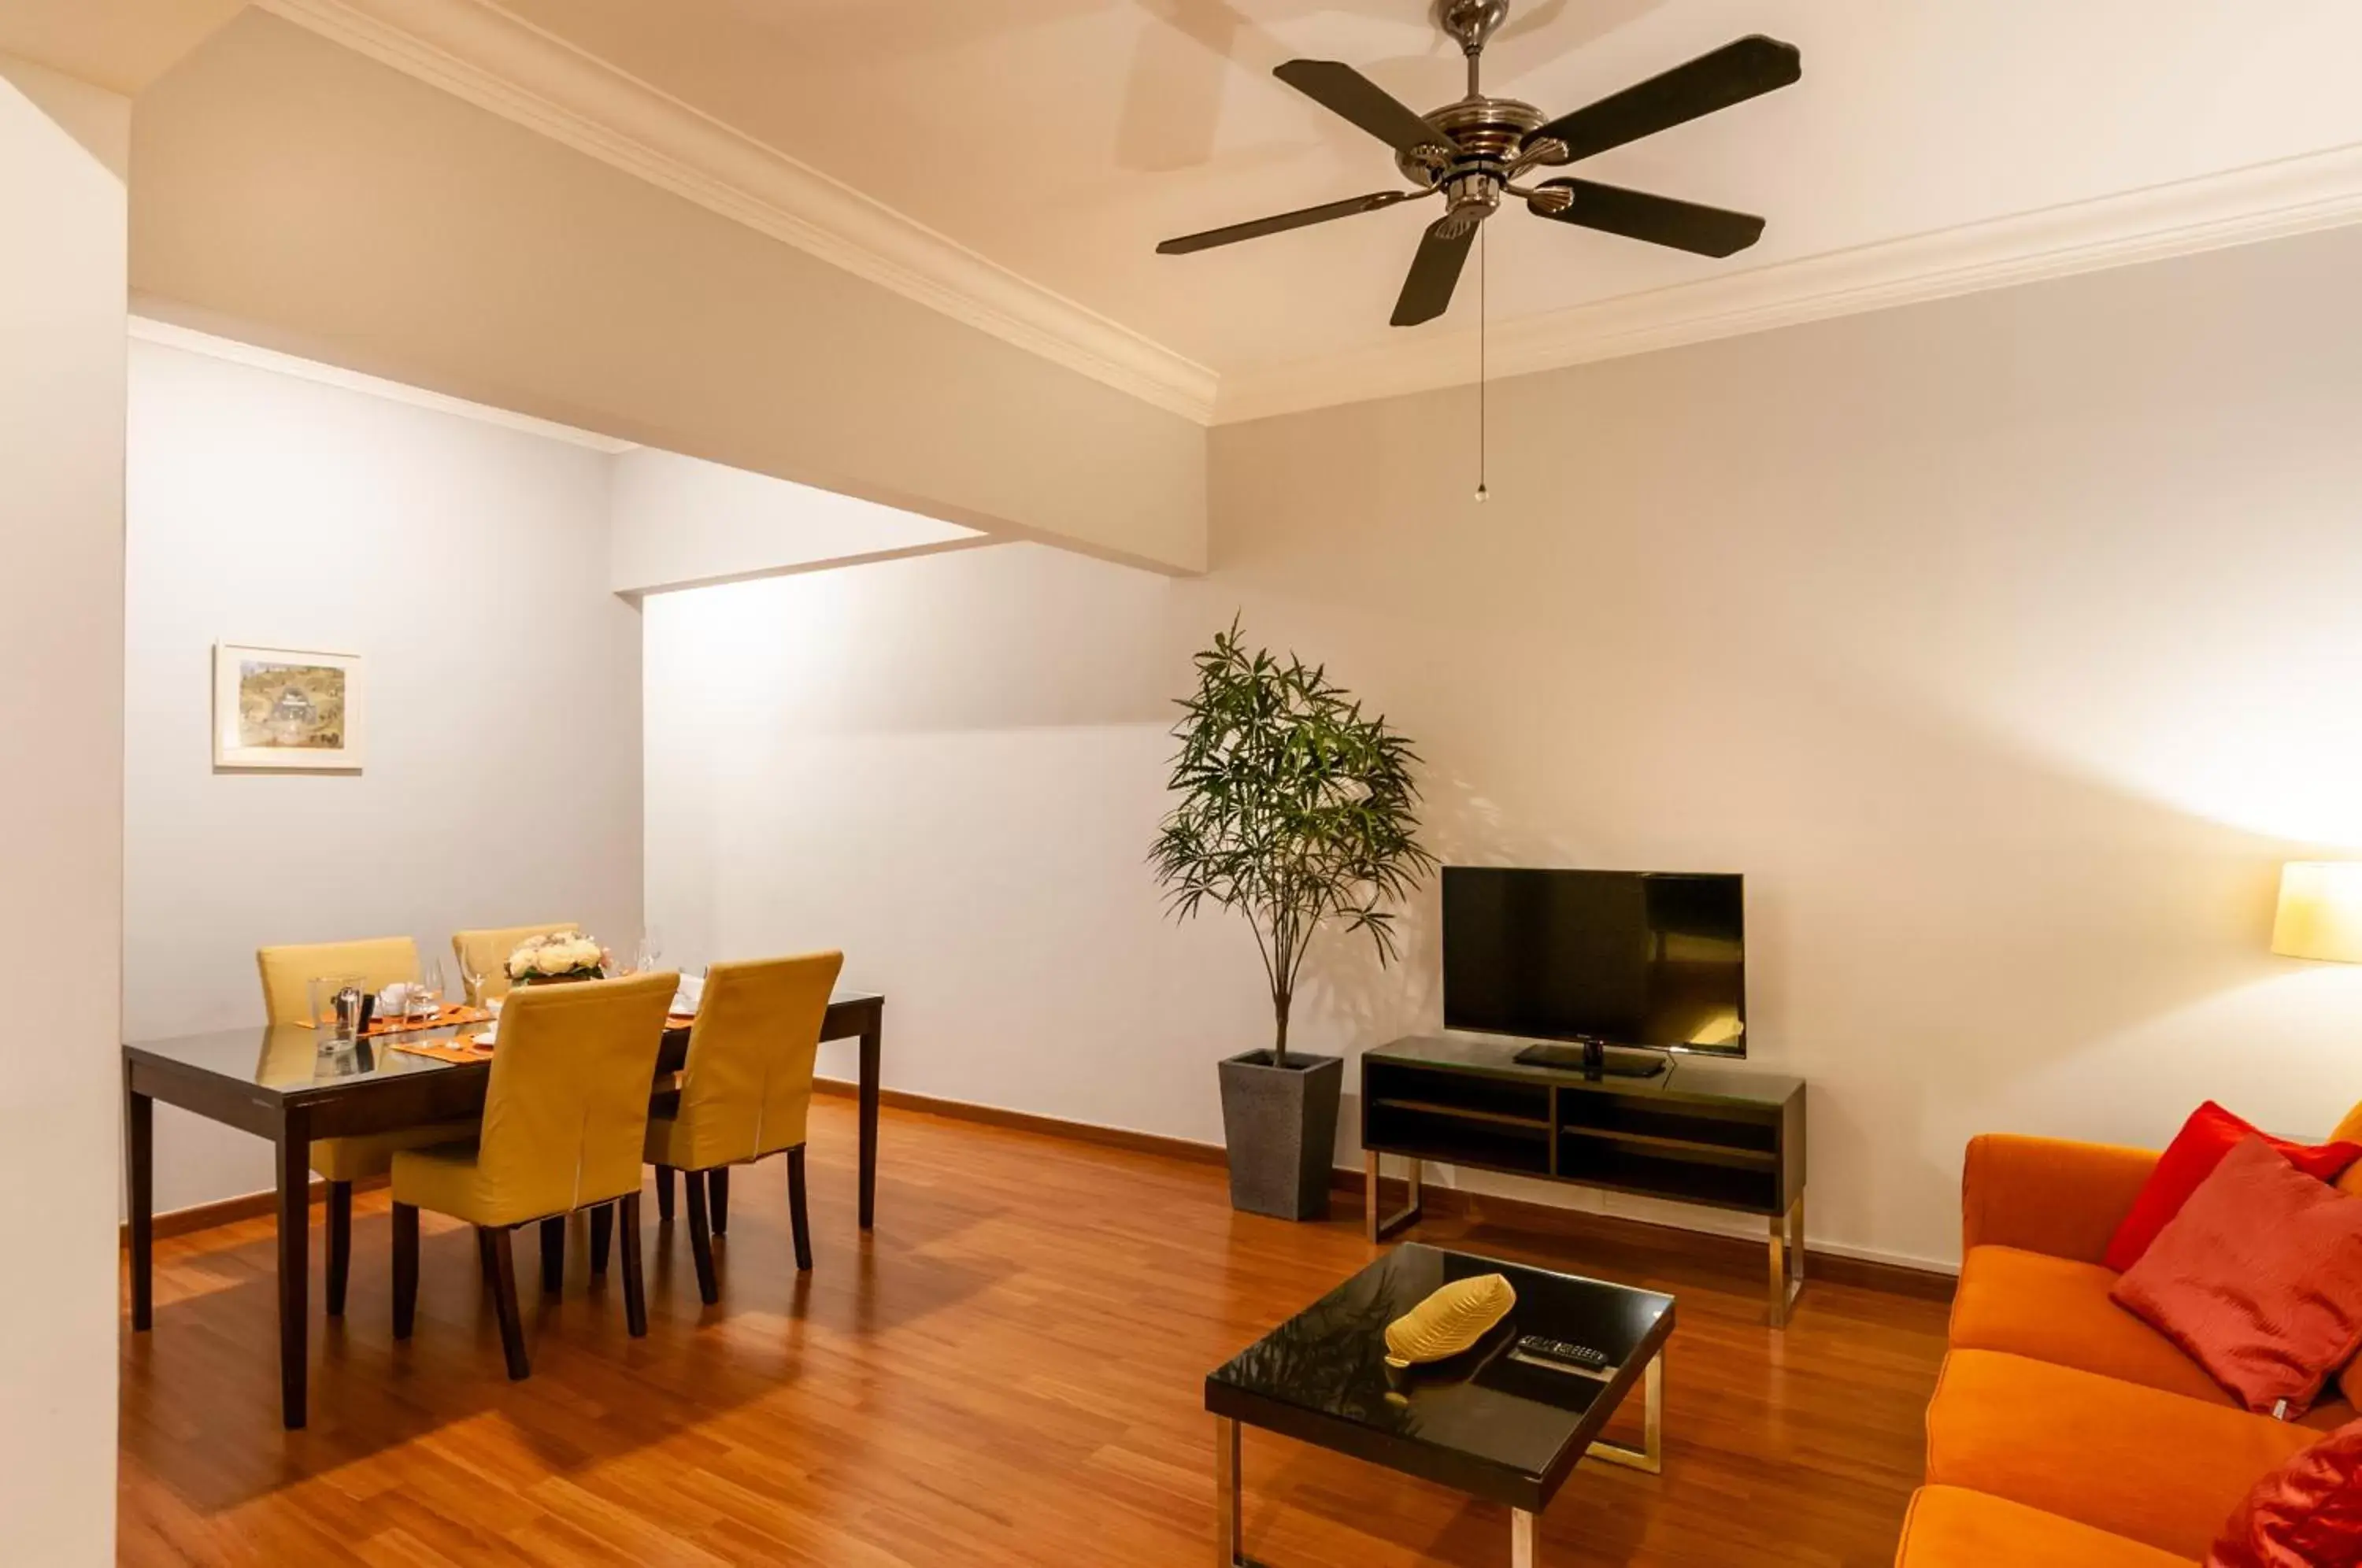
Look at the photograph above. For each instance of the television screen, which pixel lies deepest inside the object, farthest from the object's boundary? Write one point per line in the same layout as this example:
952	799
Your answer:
1625	957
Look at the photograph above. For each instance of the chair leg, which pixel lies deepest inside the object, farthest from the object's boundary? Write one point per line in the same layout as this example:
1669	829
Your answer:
701	1238
602	1232
664	1195
635	1295
719	1180
340	1243
484	1255
798	1211
405	1268
504	1300
553	1256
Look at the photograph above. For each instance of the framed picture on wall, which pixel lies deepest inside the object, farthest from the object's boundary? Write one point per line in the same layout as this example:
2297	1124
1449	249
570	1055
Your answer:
287	709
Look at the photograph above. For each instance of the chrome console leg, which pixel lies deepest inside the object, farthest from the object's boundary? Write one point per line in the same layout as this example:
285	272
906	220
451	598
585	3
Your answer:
1787	1262
1374	1227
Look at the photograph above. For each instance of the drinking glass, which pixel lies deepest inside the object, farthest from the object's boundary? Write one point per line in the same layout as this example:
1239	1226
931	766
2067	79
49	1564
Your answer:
426	998
651	952
324	989
473	982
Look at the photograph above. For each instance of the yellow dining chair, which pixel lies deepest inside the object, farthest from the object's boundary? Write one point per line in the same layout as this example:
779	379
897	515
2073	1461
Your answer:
745	1091
486	953
565	1114
287	976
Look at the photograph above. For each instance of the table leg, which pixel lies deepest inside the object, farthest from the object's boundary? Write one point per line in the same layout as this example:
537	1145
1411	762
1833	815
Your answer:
1377	1227
1787	1262
139	1199
869	1067
1651	1456
1523	1529
1230	1502
294	1145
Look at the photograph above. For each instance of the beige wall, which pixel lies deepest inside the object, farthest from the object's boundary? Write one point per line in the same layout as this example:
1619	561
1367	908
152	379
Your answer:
2006	643
676	521
296	195
62	149
467	563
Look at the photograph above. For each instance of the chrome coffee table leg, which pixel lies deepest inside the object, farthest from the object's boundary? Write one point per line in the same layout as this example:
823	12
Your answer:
1230	1504
1651	1456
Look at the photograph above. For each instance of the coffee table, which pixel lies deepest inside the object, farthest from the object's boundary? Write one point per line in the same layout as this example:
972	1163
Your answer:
1488	1423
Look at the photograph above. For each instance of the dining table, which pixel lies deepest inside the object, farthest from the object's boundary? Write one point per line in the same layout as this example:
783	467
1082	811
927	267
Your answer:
277	1083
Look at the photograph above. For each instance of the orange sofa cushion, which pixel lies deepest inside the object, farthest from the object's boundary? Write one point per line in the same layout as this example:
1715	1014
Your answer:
1948	1528
2156	1467
2058	1310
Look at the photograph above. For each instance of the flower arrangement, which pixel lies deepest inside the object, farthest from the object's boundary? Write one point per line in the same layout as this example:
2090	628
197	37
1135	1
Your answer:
566	955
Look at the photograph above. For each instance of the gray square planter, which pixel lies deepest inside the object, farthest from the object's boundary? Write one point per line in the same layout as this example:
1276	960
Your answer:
1280	1124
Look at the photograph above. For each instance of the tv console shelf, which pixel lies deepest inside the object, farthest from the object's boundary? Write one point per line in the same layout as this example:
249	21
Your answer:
1723	1137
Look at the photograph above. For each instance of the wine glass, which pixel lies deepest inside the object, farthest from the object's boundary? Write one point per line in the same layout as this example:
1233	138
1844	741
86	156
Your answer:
473	980
650	956
424	1002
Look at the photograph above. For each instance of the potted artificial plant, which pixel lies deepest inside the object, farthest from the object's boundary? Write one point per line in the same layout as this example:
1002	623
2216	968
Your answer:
1296	810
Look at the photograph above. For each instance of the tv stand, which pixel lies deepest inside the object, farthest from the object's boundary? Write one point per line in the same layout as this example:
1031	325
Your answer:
1590	1057
1725	1137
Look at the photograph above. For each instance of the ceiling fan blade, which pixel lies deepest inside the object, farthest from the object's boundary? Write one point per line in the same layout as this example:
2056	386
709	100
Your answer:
1732	74
1342	90
1281	222
1659	220
1435	271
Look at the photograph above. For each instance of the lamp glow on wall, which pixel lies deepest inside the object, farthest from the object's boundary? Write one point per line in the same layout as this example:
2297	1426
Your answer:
2320	912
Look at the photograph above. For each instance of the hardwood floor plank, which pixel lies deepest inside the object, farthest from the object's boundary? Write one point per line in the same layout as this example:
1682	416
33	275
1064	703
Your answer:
1006	1375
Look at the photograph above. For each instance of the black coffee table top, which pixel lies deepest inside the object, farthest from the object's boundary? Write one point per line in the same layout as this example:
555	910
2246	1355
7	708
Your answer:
1486	1424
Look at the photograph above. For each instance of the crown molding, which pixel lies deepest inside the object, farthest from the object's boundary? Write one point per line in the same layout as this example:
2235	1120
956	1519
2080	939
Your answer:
170	335
2265	201
480	53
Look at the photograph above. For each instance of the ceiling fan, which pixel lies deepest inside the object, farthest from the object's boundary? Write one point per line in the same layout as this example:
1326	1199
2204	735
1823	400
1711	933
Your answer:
1473	153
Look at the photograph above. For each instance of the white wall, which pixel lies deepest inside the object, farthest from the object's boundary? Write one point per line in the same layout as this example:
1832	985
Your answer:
2006	643
676	521
467	563
63	156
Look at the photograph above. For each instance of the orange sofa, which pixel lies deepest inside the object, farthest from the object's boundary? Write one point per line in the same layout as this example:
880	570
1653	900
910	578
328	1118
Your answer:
2065	1432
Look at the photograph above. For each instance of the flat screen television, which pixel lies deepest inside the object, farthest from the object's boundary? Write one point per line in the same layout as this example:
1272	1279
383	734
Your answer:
1597	958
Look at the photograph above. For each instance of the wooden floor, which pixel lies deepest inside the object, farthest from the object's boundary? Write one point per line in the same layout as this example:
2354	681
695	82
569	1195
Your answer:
1009	1372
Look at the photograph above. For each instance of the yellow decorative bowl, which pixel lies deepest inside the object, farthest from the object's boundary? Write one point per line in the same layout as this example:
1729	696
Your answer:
1450	1321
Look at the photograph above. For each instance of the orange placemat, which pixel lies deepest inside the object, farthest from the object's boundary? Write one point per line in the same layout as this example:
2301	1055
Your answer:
460	1050
452	1014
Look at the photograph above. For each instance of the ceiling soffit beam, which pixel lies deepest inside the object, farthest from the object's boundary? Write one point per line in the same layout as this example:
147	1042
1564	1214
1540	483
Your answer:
2264	201
497	62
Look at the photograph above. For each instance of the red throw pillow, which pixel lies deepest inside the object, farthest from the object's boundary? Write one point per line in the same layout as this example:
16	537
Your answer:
2306	1514
2191	1158
2258	1279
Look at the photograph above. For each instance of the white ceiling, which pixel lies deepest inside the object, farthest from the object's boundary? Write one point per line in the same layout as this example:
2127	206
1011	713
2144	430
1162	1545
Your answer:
1061	139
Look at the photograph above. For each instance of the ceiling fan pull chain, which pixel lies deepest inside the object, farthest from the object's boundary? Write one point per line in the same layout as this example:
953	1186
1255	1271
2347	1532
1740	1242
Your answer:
1483	273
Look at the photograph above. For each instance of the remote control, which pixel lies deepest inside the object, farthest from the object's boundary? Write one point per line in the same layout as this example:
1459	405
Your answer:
1540	1347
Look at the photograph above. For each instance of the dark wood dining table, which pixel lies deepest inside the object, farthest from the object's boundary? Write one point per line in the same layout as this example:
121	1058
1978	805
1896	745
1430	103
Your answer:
277	1083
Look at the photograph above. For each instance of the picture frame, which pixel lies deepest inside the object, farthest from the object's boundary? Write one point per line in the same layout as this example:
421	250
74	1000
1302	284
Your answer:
288	710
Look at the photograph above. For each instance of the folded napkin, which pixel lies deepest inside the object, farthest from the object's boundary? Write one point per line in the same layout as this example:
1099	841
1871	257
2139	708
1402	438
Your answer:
691	992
